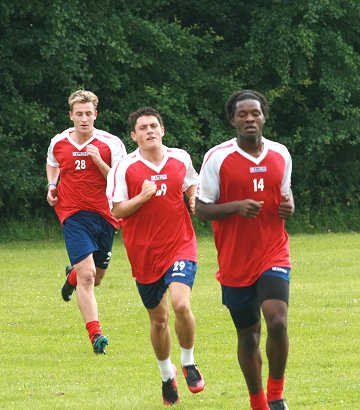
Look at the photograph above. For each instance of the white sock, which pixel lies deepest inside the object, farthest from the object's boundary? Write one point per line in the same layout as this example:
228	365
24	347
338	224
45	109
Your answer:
187	356
166	369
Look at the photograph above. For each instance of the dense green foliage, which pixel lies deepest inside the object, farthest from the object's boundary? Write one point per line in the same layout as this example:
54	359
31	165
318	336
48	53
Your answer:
185	58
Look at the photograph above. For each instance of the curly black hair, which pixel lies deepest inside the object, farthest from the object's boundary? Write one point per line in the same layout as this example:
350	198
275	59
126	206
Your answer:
244	95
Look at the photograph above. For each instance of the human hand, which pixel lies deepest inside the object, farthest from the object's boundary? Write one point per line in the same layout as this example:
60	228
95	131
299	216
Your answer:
249	208
52	197
286	207
93	152
191	202
148	190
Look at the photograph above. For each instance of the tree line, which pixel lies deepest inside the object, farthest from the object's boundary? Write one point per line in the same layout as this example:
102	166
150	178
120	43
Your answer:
185	58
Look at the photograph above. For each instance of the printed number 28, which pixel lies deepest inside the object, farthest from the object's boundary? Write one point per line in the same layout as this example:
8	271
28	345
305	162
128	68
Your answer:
258	184
80	164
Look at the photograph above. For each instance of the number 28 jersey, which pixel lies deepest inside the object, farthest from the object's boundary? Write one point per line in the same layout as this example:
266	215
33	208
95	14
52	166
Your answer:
82	186
247	246
160	232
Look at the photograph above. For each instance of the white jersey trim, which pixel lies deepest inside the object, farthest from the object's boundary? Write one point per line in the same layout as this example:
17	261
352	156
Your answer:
116	183
116	146
209	187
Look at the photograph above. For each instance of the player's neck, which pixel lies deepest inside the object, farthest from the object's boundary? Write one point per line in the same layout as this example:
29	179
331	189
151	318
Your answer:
253	146
81	137
153	156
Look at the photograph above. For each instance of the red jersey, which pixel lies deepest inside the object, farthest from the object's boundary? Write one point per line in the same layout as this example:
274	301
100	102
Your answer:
82	186
247	246
160	232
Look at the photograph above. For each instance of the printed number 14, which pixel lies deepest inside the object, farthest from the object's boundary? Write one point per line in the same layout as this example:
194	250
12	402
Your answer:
258	184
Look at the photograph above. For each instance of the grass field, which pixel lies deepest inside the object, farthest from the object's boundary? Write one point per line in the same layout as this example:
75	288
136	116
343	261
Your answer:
47	361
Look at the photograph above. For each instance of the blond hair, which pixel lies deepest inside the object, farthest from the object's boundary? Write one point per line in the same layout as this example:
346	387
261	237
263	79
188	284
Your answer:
83	96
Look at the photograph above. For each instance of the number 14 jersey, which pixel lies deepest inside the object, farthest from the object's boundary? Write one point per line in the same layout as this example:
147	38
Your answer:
247	246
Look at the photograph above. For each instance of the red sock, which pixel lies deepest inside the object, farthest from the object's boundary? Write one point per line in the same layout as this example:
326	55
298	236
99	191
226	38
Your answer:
93	329
72	278
258	401
275	388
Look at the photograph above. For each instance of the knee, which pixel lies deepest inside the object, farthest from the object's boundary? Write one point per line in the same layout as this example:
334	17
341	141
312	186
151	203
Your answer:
277	327
86	278
249	341
182	310
160	323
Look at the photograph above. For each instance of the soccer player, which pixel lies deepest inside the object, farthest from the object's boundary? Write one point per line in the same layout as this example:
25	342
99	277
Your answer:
245	191
146	190
80	158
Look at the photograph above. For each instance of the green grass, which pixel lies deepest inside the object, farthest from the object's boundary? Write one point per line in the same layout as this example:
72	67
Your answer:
47	361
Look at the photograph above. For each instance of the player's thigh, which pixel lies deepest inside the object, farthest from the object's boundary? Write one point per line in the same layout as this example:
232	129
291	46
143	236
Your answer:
243	305
273	293
85	269
152	294
180	296
79	239
104	241
159	315
180	278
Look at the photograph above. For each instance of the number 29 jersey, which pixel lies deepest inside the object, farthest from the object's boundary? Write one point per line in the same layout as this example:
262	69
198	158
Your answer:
247	246
82	186
160	232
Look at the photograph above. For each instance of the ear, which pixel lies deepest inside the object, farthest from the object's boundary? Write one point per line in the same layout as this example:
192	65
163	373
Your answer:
95	115
70	115
133	136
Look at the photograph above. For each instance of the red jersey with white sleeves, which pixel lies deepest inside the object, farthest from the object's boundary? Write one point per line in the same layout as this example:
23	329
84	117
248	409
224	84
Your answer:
82	186
247	246
160	232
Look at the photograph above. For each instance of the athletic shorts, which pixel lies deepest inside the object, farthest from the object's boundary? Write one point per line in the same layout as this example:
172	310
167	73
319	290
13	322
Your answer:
244	302
88	233
182	271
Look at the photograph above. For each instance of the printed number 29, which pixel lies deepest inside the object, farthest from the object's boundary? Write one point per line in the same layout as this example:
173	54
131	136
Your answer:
162	190
258	184
179	265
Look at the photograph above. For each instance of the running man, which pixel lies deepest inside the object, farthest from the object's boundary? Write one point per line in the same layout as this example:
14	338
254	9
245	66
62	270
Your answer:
78	162
146	190
245	192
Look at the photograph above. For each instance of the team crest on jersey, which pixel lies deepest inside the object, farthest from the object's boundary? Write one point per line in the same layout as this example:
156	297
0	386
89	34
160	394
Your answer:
158	177
79	154
255	170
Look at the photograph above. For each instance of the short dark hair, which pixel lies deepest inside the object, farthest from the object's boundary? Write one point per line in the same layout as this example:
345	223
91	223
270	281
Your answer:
230	104
133	117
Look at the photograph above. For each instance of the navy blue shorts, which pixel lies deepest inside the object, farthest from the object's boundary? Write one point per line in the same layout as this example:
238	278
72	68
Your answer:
88	233
244	302
182	271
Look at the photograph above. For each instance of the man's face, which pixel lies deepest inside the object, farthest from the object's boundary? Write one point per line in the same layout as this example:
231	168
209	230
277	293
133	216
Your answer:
148	132
83	116
248	118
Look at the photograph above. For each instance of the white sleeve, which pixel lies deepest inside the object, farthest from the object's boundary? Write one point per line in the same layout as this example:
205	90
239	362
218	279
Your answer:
116	189
118	151
209	188
286	182
51	160
191	177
